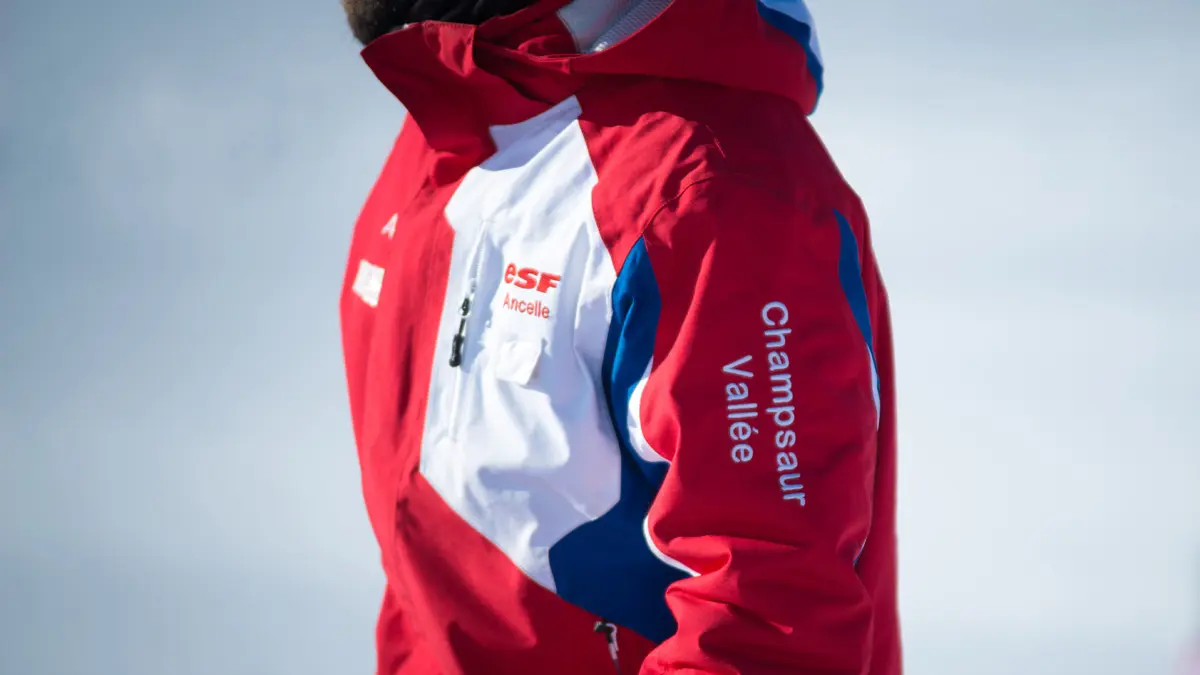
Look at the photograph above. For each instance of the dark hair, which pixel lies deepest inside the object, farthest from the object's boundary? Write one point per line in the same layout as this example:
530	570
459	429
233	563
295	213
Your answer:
463	11
370	19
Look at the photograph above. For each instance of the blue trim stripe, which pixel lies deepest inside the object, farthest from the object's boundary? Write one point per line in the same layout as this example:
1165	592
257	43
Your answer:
605	566
793	18
636	308
850	273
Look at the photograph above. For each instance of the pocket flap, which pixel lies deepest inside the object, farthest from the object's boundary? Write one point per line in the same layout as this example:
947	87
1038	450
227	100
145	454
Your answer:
516	360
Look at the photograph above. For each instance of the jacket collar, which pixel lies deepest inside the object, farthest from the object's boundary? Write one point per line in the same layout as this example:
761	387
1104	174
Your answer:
457	81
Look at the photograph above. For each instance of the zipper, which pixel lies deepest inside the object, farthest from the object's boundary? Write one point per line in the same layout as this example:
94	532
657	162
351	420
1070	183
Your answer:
609	630
458	342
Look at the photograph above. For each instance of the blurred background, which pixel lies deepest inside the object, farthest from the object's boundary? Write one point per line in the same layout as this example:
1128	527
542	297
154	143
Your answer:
178	180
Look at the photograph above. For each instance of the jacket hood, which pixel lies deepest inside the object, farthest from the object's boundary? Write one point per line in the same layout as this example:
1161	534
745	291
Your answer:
458	80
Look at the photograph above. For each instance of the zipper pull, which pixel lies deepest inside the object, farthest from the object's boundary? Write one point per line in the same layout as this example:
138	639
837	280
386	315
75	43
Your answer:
459	342
609	631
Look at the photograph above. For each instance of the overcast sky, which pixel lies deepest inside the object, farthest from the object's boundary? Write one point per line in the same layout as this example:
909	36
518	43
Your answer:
178	483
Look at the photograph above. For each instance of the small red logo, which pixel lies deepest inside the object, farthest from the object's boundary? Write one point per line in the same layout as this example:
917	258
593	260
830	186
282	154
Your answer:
529	278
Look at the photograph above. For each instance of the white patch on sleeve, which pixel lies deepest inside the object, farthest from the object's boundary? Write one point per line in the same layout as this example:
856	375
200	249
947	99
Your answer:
368	283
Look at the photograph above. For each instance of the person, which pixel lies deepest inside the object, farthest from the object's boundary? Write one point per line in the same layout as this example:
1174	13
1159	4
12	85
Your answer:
618	353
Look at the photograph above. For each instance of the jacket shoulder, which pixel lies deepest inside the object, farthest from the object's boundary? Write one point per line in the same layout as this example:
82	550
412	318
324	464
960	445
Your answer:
651	140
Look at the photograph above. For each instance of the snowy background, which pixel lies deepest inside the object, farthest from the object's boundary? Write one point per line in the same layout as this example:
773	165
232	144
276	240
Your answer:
178	486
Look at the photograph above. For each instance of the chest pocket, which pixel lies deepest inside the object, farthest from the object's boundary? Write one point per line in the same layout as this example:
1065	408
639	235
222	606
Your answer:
515	360
536	368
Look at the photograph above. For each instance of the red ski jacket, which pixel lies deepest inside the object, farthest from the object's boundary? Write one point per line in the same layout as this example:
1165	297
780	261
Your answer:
619	355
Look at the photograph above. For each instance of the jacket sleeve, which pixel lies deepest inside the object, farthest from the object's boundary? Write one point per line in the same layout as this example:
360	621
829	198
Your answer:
762	401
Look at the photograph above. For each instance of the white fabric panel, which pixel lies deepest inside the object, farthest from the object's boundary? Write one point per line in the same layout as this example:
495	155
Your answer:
519	440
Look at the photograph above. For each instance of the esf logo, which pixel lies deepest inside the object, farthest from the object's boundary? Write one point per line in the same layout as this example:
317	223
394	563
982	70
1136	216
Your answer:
528	278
